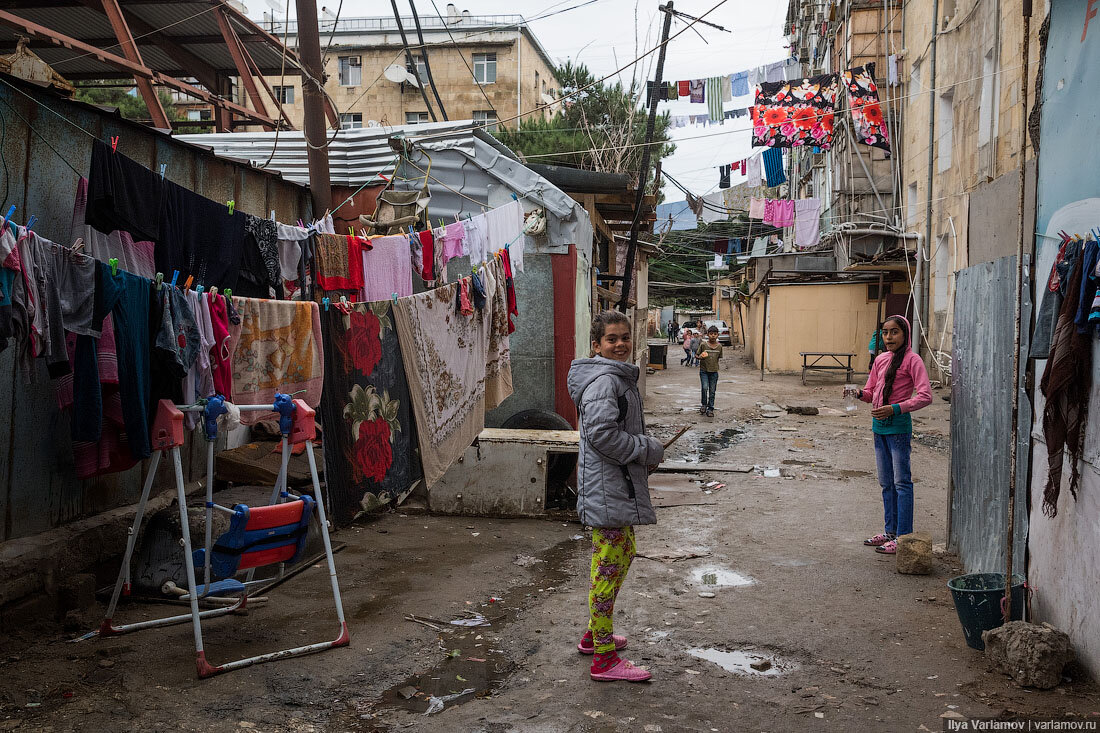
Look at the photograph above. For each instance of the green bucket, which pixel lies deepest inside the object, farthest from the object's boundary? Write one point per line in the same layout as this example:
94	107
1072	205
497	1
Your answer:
979	601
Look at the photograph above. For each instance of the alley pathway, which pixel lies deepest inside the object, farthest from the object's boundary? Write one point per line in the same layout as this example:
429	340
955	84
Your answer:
762	568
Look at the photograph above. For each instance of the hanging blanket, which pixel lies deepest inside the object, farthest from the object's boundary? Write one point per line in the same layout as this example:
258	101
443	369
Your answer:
870	127
1066	384
370	436
790	114
447	359
278	350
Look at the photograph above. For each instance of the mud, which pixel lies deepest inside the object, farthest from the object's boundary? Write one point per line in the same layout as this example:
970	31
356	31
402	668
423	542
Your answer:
855	646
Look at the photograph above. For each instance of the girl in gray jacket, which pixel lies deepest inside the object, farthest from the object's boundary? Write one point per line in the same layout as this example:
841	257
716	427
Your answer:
613	468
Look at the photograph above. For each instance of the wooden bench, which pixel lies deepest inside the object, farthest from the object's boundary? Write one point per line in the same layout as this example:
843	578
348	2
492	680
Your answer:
827	361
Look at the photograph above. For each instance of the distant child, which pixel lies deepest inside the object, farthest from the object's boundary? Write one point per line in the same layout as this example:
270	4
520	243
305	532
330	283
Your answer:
616	457
673	327
895	375
688	335
693	346
707	354
874	346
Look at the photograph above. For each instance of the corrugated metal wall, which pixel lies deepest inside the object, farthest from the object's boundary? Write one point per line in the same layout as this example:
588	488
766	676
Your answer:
981	416
44	139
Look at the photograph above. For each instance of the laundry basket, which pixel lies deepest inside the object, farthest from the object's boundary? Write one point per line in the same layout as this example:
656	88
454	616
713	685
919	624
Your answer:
978	601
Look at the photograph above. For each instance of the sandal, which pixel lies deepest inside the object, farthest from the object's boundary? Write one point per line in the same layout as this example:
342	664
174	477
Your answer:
890	548
878	540
624	670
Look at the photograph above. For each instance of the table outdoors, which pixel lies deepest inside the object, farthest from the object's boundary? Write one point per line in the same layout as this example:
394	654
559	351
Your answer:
827	361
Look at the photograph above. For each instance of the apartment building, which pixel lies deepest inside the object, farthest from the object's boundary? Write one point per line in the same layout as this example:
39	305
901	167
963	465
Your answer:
485	67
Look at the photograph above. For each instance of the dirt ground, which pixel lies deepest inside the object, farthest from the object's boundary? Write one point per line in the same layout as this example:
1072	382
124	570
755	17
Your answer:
779	561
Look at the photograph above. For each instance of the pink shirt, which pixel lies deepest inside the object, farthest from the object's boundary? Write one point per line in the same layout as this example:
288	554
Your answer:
911	377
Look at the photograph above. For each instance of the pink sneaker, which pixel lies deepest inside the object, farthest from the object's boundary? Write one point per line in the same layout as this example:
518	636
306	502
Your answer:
620	643
890	548
624	670
878	540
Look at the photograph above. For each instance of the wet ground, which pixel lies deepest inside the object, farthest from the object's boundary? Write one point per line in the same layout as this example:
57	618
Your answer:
752	601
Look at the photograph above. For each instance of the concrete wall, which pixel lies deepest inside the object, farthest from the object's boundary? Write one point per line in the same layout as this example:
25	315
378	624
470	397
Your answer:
387	102
801	318
38	488
1064	551
969	30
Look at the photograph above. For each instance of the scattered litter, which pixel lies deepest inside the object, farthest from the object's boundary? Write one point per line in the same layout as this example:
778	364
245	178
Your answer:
454	653
771	473
693	671
706	594
525	560
431	623
460	678
494	599
435	704
577	537
819	715
407	691
474	534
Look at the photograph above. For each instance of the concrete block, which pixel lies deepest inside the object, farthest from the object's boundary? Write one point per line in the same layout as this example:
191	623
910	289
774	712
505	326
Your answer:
1032	655
914	555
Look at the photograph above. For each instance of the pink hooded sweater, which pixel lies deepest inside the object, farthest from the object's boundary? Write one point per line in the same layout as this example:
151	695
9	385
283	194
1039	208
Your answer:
911	378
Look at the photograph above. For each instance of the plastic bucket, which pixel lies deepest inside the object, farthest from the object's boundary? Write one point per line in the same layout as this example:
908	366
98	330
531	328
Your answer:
978	601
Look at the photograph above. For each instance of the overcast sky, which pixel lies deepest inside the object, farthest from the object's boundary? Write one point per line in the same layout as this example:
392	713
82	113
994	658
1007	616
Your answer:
604	36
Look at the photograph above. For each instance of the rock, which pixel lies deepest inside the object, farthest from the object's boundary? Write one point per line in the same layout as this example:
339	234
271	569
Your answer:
74	620
762	665
914	555
1032	655
801	410
76	591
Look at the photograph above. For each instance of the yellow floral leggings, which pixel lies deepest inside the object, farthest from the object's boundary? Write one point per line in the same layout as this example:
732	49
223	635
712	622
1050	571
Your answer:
612	552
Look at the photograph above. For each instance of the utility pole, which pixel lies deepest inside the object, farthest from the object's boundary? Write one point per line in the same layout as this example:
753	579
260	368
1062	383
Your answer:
409	57
643	173
1010	536
313	99
424	53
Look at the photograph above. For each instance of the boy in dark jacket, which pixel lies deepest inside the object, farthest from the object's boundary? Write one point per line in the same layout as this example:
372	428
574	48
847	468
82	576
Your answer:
616	457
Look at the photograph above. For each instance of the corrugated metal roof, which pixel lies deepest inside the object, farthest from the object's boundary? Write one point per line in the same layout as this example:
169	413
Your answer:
193	25
355	156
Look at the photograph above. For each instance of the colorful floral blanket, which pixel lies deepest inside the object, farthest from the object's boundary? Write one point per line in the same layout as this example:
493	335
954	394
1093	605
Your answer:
870	126
369	432
799	112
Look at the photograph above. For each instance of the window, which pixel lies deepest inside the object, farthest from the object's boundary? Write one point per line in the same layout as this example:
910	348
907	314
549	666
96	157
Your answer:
351	120
199	114
421	69
873	293
488	118
485	68
416	118
283	95
915	85
987	108
351	71
945	125
536	81
911	204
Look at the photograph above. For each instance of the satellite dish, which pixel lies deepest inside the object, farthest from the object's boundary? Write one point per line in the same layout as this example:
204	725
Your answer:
396	74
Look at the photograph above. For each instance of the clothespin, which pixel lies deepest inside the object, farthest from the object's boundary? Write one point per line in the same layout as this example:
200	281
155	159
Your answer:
273	215
113	262
228	293
351	231
187	283
159	280
214	290
456	218
325	302
175	276
301	225
31	222
163	166
10	214
232	205
394	296
343	300
441	224
198	290
114	144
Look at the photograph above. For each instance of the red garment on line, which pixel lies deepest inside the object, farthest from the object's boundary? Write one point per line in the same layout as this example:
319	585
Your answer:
428	243
221	353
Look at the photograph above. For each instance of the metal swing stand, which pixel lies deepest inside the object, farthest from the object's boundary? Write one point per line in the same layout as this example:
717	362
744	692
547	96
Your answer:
258	536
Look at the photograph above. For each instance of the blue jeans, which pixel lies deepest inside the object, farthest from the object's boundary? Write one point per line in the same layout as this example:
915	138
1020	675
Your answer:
892	456
709	383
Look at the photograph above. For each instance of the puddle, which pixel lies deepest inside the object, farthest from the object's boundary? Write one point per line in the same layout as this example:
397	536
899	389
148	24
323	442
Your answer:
714	577
473	673
741	662
707	445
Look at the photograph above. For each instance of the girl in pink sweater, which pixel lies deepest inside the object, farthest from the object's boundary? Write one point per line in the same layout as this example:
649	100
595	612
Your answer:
897	385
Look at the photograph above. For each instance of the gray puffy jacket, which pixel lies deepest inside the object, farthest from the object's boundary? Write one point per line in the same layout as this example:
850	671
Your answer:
612	473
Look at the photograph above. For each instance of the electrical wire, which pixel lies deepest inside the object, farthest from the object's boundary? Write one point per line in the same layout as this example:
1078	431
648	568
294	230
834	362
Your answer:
463	57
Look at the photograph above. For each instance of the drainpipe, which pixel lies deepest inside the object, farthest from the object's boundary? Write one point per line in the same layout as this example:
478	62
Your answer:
519	75
922	304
